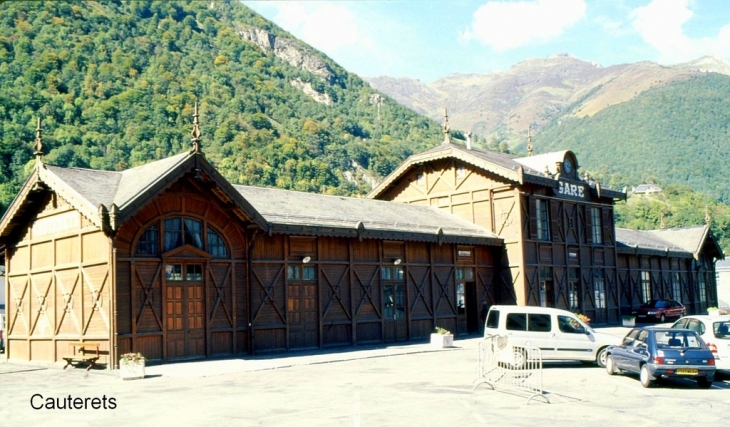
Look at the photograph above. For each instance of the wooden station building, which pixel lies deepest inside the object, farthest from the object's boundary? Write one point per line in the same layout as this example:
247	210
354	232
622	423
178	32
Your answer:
560	242
171	260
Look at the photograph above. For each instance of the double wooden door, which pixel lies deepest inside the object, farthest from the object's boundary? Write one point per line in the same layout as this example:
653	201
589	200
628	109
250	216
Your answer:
302	315
185	318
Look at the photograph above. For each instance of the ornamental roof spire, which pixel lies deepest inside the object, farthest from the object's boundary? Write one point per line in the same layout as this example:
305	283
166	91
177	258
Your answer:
708	219
447	135
38	142
529	142
195	134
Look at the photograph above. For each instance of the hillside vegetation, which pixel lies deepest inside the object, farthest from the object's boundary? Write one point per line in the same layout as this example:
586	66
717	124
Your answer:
679	206
115	84
676	134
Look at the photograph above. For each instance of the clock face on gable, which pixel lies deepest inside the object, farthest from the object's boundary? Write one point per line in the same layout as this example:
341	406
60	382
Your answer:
568	166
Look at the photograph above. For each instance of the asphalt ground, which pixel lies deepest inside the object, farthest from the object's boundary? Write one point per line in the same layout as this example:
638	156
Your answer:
401	385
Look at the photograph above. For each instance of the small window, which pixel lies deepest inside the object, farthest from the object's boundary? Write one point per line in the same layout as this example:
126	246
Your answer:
216	246
493	319
173	272
543	219
309	272
599	289
391	273
516	322
646	286
460	298
538	322
194	272
293	273
301	272
596	226
148	243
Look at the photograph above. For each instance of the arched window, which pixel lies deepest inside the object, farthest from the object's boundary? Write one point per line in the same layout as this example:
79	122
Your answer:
176	232
216	246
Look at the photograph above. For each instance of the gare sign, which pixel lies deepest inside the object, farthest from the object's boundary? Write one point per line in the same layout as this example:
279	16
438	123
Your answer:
571	190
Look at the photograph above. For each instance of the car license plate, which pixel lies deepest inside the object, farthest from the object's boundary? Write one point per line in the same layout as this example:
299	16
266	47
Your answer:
684	371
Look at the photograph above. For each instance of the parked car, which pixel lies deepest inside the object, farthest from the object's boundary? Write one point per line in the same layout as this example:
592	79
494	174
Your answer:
656	353
715	332
660	310
559	334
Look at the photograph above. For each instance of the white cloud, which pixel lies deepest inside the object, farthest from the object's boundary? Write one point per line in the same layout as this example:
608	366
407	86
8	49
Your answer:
660	24
505	26
327	26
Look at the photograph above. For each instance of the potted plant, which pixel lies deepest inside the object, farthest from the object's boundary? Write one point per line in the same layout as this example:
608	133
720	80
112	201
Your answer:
131	366
628	320
713	311
442	338
583	318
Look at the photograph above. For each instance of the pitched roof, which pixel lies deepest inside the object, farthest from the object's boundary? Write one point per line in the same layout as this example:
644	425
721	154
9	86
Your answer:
308	213
514	169
683	242
87	189
270	209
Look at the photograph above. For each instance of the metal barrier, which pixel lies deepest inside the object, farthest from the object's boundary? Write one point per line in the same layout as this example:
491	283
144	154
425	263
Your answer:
503	365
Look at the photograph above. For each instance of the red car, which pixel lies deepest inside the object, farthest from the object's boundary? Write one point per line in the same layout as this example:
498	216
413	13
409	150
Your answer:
660	310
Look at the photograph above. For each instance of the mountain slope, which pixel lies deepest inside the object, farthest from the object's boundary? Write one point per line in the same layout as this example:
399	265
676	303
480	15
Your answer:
115	84
532	93
675	134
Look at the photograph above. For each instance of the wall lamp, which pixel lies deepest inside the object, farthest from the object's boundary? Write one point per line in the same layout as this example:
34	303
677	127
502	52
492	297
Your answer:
397	261
306	259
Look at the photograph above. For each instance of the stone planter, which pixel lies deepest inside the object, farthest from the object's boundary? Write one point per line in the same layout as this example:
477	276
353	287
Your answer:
442	340
715	312
629	321
131	370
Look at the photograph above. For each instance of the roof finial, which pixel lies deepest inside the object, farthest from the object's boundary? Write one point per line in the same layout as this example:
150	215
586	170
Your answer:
529	142
447	135
196	130
38	142
708	219
661	220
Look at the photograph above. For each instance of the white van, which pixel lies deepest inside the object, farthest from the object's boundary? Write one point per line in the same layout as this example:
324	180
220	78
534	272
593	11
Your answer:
559	334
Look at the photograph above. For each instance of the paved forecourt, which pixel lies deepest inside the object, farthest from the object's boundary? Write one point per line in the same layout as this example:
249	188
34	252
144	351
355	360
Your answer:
395	385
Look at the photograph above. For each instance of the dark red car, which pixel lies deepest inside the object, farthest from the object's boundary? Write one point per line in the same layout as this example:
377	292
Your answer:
660	310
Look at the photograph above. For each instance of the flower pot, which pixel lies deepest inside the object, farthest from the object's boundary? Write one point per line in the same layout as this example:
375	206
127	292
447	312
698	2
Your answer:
442	340
715	312
628	321
131	370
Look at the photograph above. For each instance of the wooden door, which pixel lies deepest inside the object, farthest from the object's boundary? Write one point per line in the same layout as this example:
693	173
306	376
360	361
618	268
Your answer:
394	312
185	320
302	316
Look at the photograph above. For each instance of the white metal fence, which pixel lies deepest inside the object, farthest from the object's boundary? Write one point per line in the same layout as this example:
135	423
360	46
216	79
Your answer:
506	366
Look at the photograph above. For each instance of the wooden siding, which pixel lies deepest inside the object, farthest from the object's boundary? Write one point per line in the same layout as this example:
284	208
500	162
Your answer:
59	285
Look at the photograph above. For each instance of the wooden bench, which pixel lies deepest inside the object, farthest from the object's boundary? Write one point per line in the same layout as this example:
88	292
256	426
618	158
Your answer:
82	352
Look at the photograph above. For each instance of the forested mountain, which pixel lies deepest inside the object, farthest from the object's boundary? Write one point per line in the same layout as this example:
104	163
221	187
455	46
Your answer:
115	84
500	106
674	134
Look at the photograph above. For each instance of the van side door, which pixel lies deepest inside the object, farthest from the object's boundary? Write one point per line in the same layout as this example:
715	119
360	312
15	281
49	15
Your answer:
571	340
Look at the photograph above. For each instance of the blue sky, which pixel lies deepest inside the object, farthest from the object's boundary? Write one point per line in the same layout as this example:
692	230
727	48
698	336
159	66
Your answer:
429	39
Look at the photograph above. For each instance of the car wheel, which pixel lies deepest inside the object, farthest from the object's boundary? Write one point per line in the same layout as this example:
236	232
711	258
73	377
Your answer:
601	357
645	377
663	318
704	382
610	365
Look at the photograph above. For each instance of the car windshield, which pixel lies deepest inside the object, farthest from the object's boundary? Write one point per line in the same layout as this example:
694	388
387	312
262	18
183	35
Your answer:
677	339
655	304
